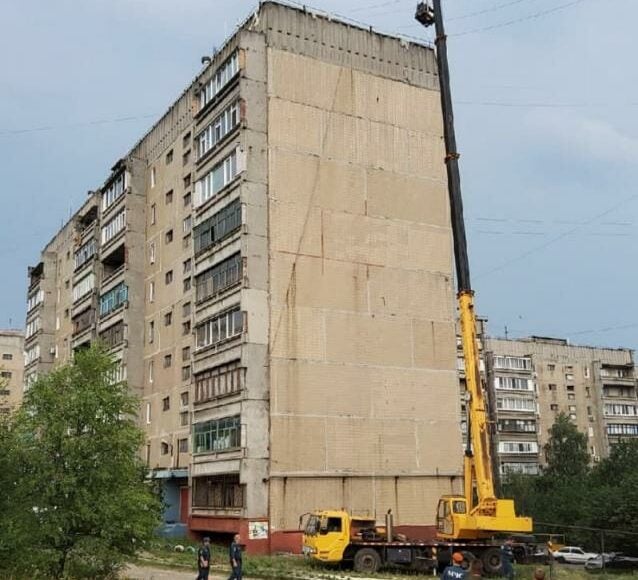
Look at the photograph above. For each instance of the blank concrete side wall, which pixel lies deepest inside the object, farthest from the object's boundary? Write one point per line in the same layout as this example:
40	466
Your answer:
364	402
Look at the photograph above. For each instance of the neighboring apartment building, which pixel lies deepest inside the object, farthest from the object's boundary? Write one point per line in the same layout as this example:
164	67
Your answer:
11	370
534	379
271	262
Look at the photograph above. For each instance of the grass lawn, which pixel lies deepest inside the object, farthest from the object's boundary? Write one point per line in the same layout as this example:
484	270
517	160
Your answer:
162	554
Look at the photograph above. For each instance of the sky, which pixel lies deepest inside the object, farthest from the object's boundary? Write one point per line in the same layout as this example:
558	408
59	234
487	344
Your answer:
546	109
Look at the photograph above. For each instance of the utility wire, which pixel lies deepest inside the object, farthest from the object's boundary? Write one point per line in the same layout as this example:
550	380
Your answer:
8	132
517	20
486	10
557	238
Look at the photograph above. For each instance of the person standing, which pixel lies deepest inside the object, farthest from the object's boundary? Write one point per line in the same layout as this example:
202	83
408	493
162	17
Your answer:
455	571
235	558
203	560
507	559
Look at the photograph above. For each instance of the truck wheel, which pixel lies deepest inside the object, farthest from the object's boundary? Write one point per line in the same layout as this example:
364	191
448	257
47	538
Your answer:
468	558
367	560
491	561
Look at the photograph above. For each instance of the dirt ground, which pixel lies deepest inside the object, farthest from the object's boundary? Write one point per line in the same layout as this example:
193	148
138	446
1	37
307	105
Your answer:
134	572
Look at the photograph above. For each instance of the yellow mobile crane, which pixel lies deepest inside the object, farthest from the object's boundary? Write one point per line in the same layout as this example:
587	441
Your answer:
478	513
471	522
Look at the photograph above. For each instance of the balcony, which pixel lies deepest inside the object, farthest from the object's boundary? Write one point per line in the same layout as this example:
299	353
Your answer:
113	265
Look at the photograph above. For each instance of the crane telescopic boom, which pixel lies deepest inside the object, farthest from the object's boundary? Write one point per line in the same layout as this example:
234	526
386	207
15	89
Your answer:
481	514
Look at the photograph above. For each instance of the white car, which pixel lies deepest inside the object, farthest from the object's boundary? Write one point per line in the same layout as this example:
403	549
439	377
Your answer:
572	555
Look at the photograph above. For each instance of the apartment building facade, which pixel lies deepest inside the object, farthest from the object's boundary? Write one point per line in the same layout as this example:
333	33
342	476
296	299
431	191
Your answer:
271	263
534	379
11	370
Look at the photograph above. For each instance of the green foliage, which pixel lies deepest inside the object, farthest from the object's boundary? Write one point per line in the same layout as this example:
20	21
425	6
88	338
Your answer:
76	500
571	492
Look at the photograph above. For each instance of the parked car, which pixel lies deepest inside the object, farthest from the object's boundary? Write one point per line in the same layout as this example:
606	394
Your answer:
613	561
572	555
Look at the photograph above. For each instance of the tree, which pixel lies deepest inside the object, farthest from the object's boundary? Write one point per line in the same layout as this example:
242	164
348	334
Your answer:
566	450
79	502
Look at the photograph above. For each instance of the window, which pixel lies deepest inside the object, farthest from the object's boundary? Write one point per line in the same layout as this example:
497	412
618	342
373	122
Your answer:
551	387
224	74
553	407
7	356
153	177
186	373
226	379
32	327
223	275
620	409
168	319
113	335
151	331
589	411
218	491
215	132
187	284
5	375
32	354
150	371
187	266
186	353
186	157
151	291
551	367
217	435
571	396
183	445
186	242
617	373
512	362
518	447
114	227
183	418
211	231
187	183
587	392
572	408
114	191
187	196
169	157
164	448
113	299
513	404
85	253
586	371
83	321
83	287
35	299
513	384
184	399
517	425
168	237
570	388
148	413
168	360
186	328
168	197
186	309
216	179
166	403
187	224
220	328
153	214
569	377
66	313
622	429
526	468
186	139
168	277
151	252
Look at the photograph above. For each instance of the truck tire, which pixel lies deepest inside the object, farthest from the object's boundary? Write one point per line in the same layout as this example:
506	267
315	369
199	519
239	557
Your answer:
491	559
367	560
468	558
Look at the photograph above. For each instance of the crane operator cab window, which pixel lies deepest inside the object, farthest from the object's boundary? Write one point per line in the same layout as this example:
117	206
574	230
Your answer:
458	506
329	525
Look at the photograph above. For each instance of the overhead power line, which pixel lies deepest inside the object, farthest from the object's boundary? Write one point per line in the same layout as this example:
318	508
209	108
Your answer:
548	243
8	132
521	19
